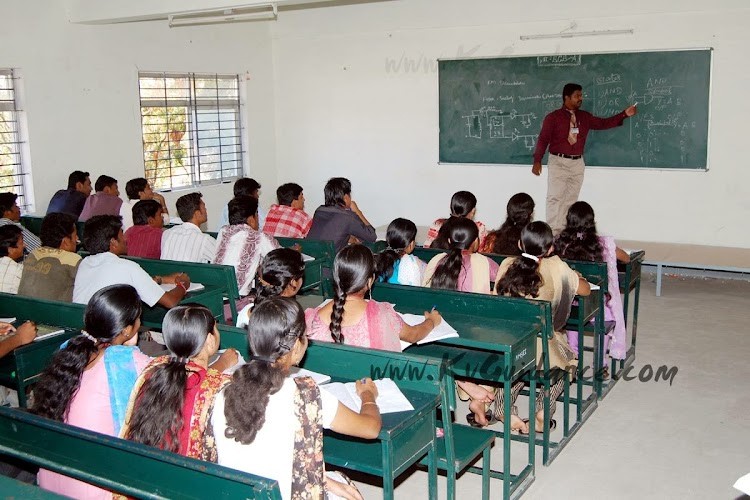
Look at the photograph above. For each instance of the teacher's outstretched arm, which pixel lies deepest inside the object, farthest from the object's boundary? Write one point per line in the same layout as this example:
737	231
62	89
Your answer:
542	143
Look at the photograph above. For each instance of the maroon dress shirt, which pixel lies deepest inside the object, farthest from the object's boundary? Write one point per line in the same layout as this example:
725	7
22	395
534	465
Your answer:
556	127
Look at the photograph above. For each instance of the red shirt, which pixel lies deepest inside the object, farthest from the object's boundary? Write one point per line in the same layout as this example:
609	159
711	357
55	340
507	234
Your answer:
286	221
556	127
144	241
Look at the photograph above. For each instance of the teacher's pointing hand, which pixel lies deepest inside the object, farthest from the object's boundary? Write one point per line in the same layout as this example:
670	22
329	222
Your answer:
631	110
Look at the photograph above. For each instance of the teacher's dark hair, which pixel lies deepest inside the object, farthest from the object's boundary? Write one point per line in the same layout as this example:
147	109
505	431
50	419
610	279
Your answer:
335	190
462	233
274	327
401	233
519	212
108	313
579	240
156	419
522	278
569	88
352	269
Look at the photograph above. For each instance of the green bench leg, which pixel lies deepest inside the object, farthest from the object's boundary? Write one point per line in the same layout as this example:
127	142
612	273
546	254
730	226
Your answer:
485	474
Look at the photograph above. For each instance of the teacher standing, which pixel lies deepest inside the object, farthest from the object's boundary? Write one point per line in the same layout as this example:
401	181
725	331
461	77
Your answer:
564	131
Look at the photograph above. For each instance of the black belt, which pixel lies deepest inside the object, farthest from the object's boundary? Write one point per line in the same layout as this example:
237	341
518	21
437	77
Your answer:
569	157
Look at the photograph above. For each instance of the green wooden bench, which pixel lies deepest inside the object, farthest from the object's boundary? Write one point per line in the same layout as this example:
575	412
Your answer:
318	272
596	273
497	344
128	468
23	366
630	281
213	275
406	437
34	224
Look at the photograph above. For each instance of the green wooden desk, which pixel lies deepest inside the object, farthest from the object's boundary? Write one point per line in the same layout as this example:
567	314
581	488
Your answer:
129	468
214	275
492	347
23	366
211	296
630	280
318	272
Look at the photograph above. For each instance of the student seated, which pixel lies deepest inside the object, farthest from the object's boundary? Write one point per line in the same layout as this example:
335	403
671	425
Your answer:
173	397
11	258
144	238
89	380
270	424
49	272
580	241
244	186
396	264
136	190
536	274
280	274
464	205
15	337
352	319
461	268
340	220
467	271
186	242
288	218
504	241
102	236
71	201
106	200
241	244
10	214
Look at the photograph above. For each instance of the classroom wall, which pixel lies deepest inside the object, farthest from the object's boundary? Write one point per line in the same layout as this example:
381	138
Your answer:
80	86
350	88
357	95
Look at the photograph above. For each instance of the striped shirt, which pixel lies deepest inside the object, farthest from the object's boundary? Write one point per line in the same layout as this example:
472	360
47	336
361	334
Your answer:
187	243
10	275
31	240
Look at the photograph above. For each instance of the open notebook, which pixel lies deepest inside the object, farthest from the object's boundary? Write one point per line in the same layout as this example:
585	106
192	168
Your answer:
442	331
194	287
390	398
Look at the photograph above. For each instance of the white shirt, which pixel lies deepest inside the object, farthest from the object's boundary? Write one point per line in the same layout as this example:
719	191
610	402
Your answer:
10	275
187	243
271	454
104	269
126	212
225	216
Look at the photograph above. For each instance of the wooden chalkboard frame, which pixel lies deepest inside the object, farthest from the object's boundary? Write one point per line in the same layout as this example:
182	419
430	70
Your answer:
705	169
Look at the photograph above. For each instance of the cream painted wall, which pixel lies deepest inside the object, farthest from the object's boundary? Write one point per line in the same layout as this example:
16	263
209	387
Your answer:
348	104
80	86
329	93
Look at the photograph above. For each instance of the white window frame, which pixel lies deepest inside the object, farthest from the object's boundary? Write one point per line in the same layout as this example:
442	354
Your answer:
16	148
194	166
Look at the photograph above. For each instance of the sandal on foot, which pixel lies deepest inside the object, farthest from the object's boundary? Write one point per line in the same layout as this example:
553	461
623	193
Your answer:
471	419
552	426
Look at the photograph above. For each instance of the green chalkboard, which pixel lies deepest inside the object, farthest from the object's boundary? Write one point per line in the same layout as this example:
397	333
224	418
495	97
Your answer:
491	110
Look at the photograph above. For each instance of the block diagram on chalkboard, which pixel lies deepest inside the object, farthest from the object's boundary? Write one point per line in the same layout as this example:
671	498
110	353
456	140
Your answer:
500	124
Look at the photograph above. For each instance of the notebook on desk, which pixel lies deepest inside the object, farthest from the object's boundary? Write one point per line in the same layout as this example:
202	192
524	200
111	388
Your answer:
194	287
42	331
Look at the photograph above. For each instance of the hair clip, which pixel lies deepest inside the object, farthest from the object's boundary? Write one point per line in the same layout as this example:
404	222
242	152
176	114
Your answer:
86	334
181	360
529	256
580	235
261	358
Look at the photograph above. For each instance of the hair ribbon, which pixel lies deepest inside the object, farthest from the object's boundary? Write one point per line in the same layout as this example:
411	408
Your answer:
529	256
